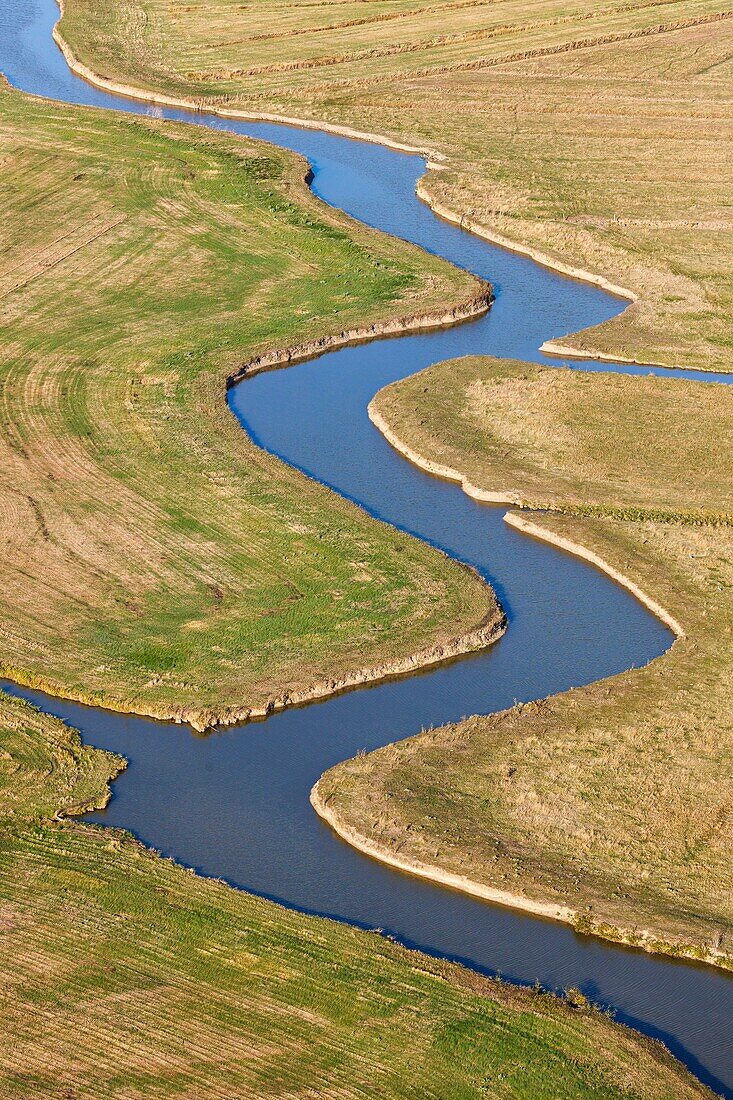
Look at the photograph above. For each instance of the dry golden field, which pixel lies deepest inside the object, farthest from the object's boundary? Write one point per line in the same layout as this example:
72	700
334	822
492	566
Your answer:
630	447
612	799
596	134
153	558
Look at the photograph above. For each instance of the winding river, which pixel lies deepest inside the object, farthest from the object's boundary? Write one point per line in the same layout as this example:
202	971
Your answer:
235	803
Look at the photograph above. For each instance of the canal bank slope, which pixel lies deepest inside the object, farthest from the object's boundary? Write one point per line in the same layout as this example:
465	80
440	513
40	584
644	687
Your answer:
610	802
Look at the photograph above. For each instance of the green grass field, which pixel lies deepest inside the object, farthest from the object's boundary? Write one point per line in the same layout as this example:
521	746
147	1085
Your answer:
127	976
596	134
611	799
154	559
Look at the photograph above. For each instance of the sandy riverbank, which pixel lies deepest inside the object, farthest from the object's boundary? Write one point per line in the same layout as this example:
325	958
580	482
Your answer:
632	937
520	523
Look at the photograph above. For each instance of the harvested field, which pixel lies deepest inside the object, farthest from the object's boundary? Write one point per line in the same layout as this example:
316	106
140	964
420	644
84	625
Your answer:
595	135
611	799
154	559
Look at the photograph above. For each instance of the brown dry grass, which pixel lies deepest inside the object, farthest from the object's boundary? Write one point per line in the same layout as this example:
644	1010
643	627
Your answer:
573	440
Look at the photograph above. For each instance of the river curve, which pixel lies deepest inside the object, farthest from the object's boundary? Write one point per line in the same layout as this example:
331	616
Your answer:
235	804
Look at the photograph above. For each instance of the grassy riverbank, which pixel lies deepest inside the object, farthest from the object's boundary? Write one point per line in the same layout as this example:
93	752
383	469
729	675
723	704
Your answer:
611	799
573	440
126	975
596	135
154	559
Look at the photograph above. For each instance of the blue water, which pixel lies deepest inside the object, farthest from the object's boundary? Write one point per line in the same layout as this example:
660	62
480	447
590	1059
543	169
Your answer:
235	804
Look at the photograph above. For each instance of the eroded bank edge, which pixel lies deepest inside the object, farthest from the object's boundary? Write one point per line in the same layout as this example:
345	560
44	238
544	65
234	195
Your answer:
435	158
65	815
465	221
437	469
527	527
483	634
560	350
522	524
129	91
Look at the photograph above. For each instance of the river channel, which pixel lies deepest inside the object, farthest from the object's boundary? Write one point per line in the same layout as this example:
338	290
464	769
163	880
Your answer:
234	804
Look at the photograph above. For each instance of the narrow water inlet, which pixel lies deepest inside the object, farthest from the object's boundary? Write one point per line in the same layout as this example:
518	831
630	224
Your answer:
235	804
